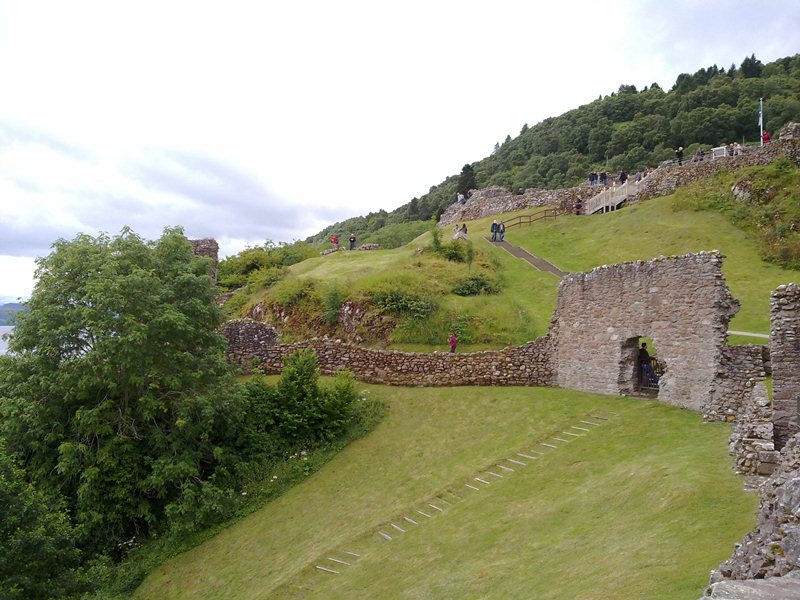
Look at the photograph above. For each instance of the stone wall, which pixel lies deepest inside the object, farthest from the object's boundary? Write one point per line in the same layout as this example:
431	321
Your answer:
752	443
741	367
252	342
209	248
772	549
497	200
785	354
682	303
665	180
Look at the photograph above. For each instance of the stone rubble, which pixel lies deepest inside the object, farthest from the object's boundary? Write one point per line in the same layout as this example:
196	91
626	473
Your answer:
772	549
496	200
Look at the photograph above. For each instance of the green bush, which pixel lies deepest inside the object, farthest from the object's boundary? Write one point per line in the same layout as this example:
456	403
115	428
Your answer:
454	251
266	276
400	302
332	299
476	284
304	412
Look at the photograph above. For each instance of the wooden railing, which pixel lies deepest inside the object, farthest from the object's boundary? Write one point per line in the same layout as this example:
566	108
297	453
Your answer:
547	213
611	197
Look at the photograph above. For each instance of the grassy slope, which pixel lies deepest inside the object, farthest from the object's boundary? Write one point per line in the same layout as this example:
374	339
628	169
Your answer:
641	508
655	228
521	312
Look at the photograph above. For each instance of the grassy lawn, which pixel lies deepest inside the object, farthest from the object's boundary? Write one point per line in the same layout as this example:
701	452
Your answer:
641	507
655	228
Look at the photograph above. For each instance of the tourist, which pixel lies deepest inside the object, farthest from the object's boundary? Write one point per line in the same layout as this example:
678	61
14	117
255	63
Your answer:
645	369
352	241
603	178
335	241
623	177
464	230
765	137
679	155
494	231
501	230
453	342
456	231
461	199
592	179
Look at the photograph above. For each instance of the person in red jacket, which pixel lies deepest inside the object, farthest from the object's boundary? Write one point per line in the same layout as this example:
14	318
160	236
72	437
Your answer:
453	342
765	137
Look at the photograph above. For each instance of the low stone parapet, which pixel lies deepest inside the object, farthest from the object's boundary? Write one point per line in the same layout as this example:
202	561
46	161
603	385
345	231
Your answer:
255	344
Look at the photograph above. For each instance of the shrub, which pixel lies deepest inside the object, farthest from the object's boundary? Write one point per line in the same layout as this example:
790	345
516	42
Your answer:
476	284
403	303
332	299
454	251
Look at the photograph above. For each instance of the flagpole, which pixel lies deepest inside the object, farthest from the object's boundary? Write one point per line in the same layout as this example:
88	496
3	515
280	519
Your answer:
761	119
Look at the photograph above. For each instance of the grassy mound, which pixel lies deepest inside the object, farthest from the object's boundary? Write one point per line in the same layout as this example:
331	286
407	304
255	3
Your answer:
641	507
703	216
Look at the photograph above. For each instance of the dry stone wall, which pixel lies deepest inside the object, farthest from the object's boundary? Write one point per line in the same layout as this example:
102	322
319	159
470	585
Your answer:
665	180
682	303
741	367
253	343
497	200
752	442
785	355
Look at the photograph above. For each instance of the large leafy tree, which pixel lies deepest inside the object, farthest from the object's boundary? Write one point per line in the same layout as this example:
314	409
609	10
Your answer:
38	555
109	393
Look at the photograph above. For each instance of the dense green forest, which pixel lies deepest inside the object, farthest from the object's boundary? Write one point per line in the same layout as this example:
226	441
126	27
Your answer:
628	129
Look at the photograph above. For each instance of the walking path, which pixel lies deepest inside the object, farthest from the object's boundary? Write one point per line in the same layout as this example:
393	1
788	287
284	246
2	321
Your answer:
543	265
537	262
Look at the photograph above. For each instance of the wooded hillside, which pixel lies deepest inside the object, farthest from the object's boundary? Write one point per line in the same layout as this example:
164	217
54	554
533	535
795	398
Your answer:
628	129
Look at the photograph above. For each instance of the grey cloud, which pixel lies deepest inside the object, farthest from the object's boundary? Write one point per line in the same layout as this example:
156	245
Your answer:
29	240
229	201
12	133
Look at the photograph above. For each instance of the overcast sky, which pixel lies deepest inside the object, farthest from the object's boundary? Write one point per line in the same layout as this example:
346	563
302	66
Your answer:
267	120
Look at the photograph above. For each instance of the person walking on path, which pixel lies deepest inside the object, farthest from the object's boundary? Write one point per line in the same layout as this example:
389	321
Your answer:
501	231
453	342
679	155
352	241
494	231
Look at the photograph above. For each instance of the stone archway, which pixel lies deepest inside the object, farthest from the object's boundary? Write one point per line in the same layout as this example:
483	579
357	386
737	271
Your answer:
682	303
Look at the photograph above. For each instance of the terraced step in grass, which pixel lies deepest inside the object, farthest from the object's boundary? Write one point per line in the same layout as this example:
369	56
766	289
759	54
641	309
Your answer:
499	493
